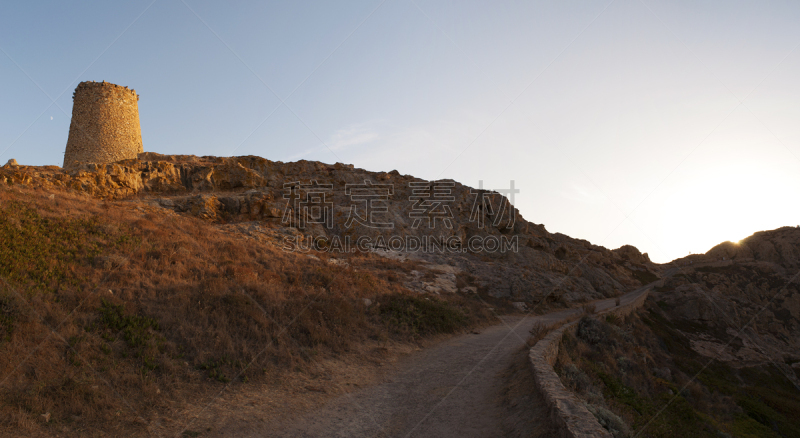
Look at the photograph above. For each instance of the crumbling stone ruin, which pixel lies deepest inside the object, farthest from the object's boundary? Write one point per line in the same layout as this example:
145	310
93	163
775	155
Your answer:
105	124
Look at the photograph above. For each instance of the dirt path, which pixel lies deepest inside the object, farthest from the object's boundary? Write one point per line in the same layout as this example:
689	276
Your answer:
458	388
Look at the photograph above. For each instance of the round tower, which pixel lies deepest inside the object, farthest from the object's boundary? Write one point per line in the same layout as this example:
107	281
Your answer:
105	124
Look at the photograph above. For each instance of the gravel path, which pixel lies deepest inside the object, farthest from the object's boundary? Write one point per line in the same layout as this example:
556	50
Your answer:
453	389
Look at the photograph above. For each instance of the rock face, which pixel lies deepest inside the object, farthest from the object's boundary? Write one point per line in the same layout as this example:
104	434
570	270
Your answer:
485	243
740	302
780	247
629	252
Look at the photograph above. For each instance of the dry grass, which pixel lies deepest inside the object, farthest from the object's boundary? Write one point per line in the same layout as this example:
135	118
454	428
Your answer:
111	312
538	332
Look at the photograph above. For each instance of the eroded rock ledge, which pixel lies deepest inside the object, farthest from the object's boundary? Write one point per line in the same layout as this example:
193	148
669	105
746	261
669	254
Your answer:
250	190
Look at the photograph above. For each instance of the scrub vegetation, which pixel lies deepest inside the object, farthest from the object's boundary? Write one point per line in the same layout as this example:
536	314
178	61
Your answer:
110	311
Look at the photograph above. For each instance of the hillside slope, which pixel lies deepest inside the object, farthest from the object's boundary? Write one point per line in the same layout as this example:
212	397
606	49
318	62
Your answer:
716	351
133	294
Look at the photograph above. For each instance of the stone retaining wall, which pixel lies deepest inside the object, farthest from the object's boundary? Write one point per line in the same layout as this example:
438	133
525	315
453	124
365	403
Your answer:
567	412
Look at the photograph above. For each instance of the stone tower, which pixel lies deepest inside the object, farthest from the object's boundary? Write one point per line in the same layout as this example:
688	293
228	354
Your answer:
105	124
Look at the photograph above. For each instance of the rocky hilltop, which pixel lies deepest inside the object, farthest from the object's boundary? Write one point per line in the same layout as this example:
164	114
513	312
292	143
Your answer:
714	351
262	199
746	297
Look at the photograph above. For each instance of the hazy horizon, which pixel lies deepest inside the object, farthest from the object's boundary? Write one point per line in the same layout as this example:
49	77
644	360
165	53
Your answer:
670	126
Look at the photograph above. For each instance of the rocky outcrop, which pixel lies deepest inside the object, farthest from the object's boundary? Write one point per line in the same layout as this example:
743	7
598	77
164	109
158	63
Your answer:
631	253
514	259
740	302
779	247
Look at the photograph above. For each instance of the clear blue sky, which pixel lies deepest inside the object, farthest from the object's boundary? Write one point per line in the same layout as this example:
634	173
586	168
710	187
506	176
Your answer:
669	125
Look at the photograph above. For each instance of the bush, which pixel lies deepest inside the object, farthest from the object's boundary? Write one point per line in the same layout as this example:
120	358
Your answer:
538	331
594	332
418	315
610	421
575	378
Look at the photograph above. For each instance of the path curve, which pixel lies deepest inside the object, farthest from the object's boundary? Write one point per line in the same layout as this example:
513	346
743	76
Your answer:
451	389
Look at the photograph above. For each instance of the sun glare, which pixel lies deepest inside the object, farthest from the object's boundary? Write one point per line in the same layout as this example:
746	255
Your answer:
723	203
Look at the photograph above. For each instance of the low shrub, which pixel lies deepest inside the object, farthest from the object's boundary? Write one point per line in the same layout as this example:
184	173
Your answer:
610	421
594	332
575	378
538	331
418	315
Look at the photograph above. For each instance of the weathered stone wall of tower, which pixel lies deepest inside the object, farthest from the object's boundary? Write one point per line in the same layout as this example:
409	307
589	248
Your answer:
105	124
